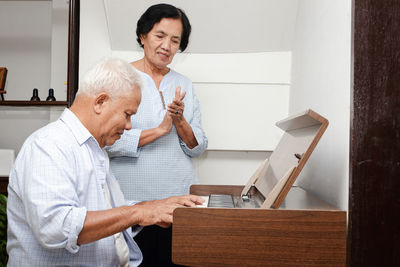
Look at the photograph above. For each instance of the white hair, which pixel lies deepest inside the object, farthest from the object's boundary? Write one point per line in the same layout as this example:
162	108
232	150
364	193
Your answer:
113	76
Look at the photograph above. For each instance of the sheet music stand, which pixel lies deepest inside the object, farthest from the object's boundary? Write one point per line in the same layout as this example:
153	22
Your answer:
274	178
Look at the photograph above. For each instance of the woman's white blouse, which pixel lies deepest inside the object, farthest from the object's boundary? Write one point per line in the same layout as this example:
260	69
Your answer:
164	167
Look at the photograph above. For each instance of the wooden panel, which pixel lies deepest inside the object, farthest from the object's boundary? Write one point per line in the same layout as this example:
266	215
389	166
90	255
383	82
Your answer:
254	237
266	67
3	184
374	202
73	50
205	190
305	119
32	103
3	77
306	231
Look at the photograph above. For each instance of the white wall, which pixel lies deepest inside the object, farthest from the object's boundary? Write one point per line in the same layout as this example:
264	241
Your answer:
25	47
228	167
321	81
239	107
245	74
94	40
223	26
59	49
33	47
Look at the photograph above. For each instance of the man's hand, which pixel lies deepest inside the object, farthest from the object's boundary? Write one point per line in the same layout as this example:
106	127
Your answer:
160	212
102	223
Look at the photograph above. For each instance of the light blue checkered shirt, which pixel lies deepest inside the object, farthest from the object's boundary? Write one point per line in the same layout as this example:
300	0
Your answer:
58	176
164	167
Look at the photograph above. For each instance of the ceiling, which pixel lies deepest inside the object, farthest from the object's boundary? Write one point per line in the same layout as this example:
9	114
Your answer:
218	26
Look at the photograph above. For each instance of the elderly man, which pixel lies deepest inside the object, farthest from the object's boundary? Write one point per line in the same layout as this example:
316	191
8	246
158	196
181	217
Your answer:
64	206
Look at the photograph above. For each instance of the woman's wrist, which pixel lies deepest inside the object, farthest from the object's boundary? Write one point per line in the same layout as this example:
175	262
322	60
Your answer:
179	122
161	131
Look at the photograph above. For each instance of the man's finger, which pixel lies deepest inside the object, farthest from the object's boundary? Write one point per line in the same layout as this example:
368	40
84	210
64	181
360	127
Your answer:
196	199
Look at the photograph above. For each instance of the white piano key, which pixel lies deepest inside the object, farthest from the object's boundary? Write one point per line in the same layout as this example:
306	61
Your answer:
205	204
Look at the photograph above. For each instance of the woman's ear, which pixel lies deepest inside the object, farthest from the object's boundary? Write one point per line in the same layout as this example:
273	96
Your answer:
101	101
142	37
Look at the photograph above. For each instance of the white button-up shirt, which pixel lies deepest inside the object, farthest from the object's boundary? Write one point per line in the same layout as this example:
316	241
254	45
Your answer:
58	176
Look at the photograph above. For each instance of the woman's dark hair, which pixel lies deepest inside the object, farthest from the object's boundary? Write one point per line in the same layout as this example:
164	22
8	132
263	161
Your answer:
155	14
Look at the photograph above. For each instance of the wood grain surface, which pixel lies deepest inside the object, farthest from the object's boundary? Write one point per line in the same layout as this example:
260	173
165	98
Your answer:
244	237
260	237
374	197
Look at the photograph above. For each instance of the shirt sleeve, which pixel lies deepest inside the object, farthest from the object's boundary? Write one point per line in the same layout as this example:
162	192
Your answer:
126	146
199	134
55	214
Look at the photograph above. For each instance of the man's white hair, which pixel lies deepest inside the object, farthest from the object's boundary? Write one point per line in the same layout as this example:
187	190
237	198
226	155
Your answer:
113	76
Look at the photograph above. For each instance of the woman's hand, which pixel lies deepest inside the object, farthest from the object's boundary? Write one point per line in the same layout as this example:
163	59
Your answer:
177	107
175	110
174	115
148	136
166	124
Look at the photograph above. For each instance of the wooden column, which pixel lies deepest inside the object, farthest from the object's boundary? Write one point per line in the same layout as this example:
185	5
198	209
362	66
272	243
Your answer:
73	50
374	199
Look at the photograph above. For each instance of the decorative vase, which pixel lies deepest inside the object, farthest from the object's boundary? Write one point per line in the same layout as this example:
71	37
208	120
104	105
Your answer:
35	96
51	95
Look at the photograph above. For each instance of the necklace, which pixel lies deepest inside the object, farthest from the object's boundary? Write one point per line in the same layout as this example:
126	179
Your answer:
161	94
162	99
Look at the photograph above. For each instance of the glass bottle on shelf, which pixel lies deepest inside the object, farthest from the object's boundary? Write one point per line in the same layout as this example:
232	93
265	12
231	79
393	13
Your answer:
35	96
51	95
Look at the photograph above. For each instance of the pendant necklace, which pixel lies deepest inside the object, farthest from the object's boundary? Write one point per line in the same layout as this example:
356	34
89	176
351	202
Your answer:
161	94
162	99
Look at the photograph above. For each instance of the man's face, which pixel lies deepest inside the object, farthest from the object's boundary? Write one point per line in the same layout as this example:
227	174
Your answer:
116	117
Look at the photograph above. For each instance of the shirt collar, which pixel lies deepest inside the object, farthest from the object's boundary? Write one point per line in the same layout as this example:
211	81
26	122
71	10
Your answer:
75	125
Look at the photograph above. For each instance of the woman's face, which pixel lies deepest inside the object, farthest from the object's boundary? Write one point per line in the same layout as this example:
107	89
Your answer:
162	42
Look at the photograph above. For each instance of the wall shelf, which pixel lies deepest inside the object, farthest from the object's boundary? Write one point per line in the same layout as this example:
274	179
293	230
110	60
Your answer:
73	64
32	103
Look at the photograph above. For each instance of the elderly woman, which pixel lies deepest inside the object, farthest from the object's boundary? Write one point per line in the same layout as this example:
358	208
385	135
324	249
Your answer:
154	159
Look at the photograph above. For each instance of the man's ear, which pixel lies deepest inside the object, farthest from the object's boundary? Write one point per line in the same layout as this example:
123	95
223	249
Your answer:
100	102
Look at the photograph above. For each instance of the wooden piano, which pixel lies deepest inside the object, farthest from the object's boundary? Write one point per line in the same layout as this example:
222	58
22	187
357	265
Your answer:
271	222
